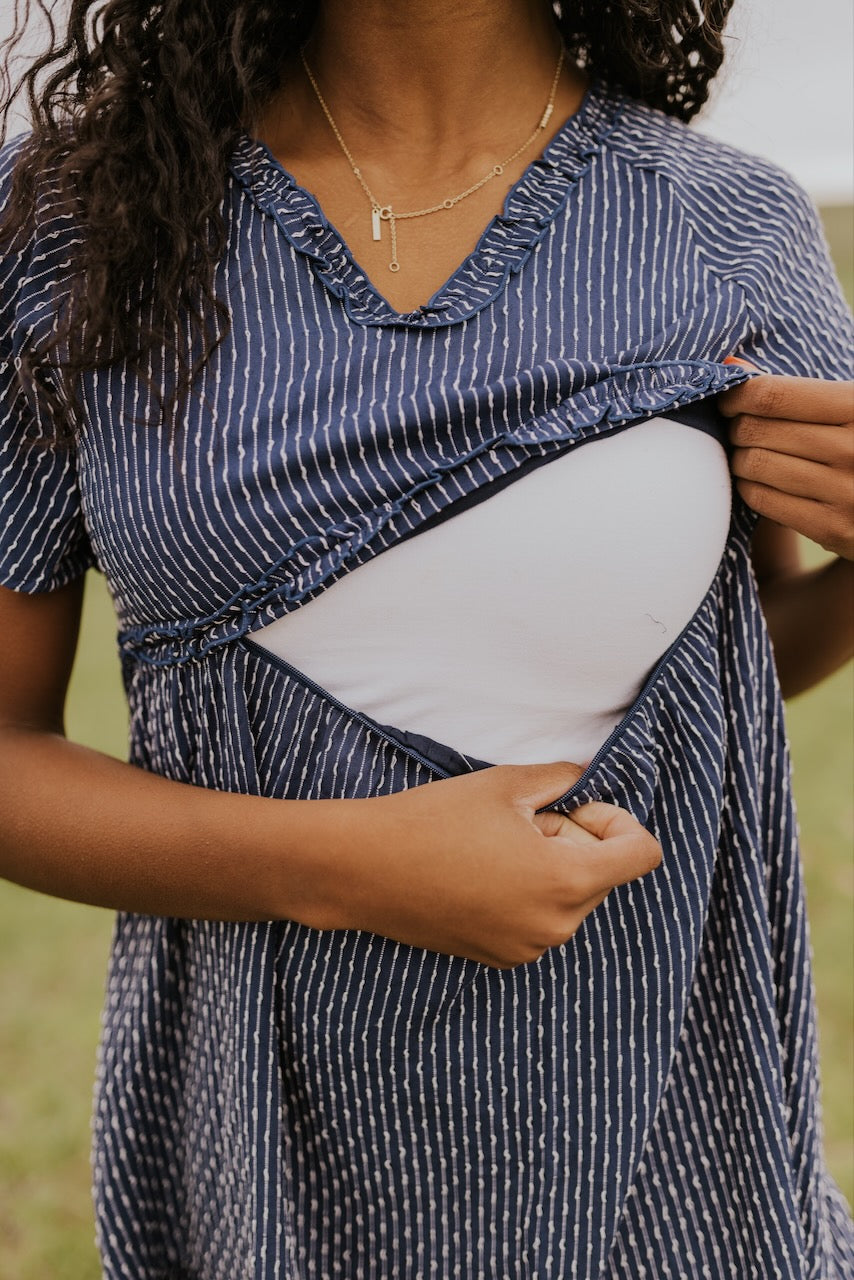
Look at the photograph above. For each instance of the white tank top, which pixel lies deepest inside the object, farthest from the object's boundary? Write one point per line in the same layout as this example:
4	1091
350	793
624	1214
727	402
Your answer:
522	628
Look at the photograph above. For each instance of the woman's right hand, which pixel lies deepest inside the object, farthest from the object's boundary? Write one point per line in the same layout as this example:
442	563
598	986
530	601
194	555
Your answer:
465	866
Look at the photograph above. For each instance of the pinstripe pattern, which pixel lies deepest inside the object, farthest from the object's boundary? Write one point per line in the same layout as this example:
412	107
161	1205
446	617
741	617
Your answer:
277	1102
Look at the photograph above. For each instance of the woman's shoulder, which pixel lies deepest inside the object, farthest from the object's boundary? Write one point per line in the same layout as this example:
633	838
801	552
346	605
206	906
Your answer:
704	172
51	197
16	252
9	153
35	257
752	224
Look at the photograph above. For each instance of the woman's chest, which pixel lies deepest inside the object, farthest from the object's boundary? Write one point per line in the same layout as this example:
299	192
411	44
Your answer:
521	628
315	437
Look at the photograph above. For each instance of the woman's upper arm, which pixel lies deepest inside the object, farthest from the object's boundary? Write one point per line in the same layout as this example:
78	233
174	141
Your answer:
39	639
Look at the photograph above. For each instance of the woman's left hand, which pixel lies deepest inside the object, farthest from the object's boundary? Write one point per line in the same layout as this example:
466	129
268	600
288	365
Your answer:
793	455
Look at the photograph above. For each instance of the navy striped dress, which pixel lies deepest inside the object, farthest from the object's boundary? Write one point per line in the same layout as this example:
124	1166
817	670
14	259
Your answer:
278	1102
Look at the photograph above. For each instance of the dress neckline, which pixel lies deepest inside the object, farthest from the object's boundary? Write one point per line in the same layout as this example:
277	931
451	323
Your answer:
504	246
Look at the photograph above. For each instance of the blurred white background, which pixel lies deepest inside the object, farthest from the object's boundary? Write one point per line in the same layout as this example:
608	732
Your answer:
786	90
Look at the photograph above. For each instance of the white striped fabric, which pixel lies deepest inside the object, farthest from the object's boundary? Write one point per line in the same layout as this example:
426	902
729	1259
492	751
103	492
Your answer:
277	1103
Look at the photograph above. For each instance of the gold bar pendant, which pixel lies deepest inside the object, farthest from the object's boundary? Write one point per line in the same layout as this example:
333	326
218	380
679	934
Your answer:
375	223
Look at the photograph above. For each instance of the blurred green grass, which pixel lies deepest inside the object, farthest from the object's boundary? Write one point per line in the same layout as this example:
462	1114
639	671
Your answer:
53	954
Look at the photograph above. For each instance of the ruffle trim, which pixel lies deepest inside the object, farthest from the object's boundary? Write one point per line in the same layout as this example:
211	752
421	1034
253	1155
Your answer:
621	396
503	248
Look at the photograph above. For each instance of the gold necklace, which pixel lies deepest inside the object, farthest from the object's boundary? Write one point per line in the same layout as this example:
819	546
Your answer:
381	213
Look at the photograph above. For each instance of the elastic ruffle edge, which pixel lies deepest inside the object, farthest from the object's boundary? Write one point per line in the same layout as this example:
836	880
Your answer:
502	250
625	395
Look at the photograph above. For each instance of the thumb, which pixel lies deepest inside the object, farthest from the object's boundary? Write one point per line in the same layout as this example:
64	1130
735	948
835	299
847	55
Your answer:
552	823
626	849
740	360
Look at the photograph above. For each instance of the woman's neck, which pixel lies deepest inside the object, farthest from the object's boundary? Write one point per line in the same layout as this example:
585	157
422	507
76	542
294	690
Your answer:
434	80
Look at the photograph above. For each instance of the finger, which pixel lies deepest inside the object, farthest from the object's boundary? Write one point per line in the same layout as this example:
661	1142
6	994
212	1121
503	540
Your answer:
594	902
625	852
817	521
798	399
604	820
816	441
796	476
552	823
578	914
618	860
747	364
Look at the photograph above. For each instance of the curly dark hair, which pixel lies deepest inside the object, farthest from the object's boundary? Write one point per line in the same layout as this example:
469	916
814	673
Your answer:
136	107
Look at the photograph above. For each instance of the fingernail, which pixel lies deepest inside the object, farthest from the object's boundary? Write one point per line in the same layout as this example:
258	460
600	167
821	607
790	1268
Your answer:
745	364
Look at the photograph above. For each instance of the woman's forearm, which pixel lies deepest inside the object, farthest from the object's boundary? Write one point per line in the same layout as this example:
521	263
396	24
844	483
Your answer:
464	866
810	618
78	824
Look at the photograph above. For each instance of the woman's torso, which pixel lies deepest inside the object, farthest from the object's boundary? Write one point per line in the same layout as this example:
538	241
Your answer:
330	429
521	629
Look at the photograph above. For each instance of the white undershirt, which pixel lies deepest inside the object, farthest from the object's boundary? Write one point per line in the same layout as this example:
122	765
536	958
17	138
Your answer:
521	629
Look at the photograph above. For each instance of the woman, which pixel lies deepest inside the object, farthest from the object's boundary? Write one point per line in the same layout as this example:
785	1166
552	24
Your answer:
283	288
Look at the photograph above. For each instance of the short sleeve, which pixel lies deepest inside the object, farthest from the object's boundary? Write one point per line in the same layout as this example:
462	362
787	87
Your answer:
802	324
43	539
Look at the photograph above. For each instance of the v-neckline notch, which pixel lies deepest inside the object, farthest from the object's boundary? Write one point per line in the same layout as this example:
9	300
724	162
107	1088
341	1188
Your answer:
504	245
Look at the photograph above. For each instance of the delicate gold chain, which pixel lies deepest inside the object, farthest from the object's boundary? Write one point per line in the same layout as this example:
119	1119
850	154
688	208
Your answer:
384	212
